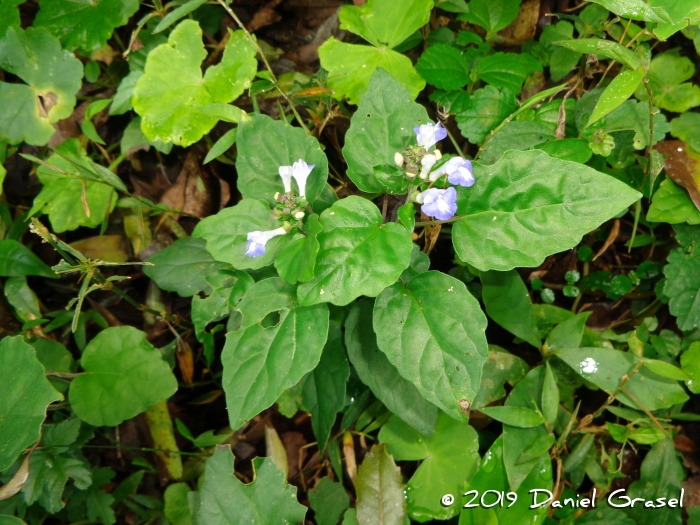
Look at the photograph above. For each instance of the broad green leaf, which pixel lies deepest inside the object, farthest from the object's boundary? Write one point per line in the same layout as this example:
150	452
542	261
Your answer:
525	396
23	405
84	25
550	396
690	363
561	60
449	459
520	417
665	369
537	449
66	197
635	10
374	369
183	267
432	331
444	66
517	135
568	333
295	262
603	48
509	221
9	15
507	70
672	204
382	126
53	78
121	102
634	116
176	14
492	15
264	145
323	389
420	262
508	303
16	260
48	474
501	367
667	80
124	375
329	501
661	477
97	502
386	22
226	234
605	516
620	89
22	299
604	367
682	285
176	507
488	107
224	500
350	68
492	476
380	493
170	94
10	520
575	150
261	359
354	238
685	128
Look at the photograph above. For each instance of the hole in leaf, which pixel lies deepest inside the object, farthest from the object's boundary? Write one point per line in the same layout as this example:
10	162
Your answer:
46	102
271	319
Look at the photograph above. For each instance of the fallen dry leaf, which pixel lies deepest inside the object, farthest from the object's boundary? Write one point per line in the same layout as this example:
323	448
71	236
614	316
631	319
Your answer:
682	166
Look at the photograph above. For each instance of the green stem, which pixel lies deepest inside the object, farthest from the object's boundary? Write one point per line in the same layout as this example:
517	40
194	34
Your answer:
637	213
434	222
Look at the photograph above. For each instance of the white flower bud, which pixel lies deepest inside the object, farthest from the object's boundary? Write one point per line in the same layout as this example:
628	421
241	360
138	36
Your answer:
398	159
299	215
427	163
438	154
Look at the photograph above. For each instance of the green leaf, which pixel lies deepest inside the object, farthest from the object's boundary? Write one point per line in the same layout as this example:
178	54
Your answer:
170	94
432	331
568	333
488	107
520	417
176	507
374	369
53	78
176	14
222	145
665	369
227	501
124	375
682	285
537	449
9	15
27	394
449	458
561	60
550	396
84	25
604	367
16	260
183	267
620	89
685	128
329	501
517	135
121	102
667	80
492	476
634	116
575	150
262	361
501	367
509	222
444	66
323	389
382	126
48	475
635	10
672	204
380	493
385	22
507	70
603	48
492	15
350	68
354	238
265	145
420	263
10	520
64	195
22	299
661	477
508	303
226	234
690	363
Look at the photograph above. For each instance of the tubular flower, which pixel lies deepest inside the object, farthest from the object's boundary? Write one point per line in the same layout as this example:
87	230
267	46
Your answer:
458	171
300	172
257	241
441	204
428	135
286	174
427	164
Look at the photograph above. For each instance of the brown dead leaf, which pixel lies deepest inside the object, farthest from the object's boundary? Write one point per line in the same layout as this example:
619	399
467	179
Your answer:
276	450
614	231
13	486
191	191
523	28
265	16
295	448
349	454
432	233
185	360
106	54
110	248
682	166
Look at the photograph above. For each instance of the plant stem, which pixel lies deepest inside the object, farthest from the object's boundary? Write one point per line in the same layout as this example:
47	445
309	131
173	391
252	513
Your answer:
434	222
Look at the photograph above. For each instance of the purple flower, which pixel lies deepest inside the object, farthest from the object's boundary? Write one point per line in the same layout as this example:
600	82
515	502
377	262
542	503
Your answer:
428	135
301	171
257	241
458	170
441	204
286	174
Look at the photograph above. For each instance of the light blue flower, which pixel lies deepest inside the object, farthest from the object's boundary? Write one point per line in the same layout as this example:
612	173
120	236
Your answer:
258	239
301	171
428	135
286	174
458	171
441	204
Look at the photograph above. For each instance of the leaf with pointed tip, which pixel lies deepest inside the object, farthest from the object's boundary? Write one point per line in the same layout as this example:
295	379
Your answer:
386	22
16	260
380	493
